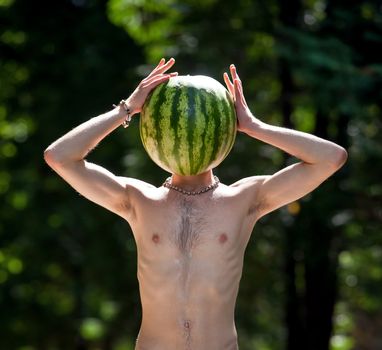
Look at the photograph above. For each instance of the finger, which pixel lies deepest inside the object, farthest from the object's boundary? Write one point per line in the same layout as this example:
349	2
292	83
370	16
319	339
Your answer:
241	92
229	84
239	88
163	67
154	81
159	65
239	96
232	69
148	80
166	66
161	62
227	81
233	72
237	91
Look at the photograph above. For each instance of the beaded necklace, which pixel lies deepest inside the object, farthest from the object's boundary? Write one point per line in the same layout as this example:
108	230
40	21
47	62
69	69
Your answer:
168	184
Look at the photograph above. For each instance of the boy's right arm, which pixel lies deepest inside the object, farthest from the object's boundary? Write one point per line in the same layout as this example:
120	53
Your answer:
67	155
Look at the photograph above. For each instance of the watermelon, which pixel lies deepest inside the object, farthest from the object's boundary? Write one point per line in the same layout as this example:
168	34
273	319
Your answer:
188	124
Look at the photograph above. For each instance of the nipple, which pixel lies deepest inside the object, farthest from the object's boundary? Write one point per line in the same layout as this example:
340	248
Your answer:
155	238
223	238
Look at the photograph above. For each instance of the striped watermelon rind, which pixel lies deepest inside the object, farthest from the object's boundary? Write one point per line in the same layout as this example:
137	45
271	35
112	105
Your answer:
188	124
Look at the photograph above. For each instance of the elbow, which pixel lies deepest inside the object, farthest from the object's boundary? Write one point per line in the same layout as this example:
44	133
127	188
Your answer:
339	157
49	157
55	159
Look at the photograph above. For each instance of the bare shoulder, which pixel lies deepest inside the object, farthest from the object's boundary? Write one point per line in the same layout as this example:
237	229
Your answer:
140	189
137	193
248	189
249	183
246	194
136	183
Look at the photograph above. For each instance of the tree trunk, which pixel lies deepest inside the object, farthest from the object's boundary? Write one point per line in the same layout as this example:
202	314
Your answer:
289	14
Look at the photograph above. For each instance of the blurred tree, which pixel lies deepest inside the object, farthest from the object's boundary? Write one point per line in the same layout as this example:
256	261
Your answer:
330	58
61	63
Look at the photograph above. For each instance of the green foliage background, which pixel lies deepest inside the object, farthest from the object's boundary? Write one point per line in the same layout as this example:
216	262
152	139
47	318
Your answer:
313	270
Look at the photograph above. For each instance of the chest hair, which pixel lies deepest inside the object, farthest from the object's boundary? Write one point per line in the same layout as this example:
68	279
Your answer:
191	224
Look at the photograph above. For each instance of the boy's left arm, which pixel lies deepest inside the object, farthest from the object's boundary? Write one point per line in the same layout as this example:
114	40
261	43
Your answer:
320	158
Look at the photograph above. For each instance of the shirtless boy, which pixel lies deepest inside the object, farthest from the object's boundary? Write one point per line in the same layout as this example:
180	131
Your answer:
191	247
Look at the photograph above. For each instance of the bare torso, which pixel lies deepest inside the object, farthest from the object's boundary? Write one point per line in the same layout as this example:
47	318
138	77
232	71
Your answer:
190	258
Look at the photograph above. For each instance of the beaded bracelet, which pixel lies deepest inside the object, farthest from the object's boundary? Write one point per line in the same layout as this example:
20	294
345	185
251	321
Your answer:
126	122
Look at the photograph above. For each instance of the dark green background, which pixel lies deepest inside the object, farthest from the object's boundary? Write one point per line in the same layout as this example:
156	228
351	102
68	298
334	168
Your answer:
313	270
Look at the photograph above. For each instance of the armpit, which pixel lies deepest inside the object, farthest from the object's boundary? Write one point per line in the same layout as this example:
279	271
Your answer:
254	208
125	208
249	191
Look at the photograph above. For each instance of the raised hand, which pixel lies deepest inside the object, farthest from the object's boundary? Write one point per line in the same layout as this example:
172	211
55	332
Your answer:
156	77
244	115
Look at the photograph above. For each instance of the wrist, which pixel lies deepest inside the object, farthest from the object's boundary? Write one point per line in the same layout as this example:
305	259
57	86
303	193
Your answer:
123	110
133	103
252	126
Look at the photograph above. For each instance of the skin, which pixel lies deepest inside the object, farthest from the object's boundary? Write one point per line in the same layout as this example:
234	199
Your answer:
191	248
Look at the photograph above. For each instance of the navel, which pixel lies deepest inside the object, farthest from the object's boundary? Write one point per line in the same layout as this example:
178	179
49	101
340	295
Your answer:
223	238
155	238
187	334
